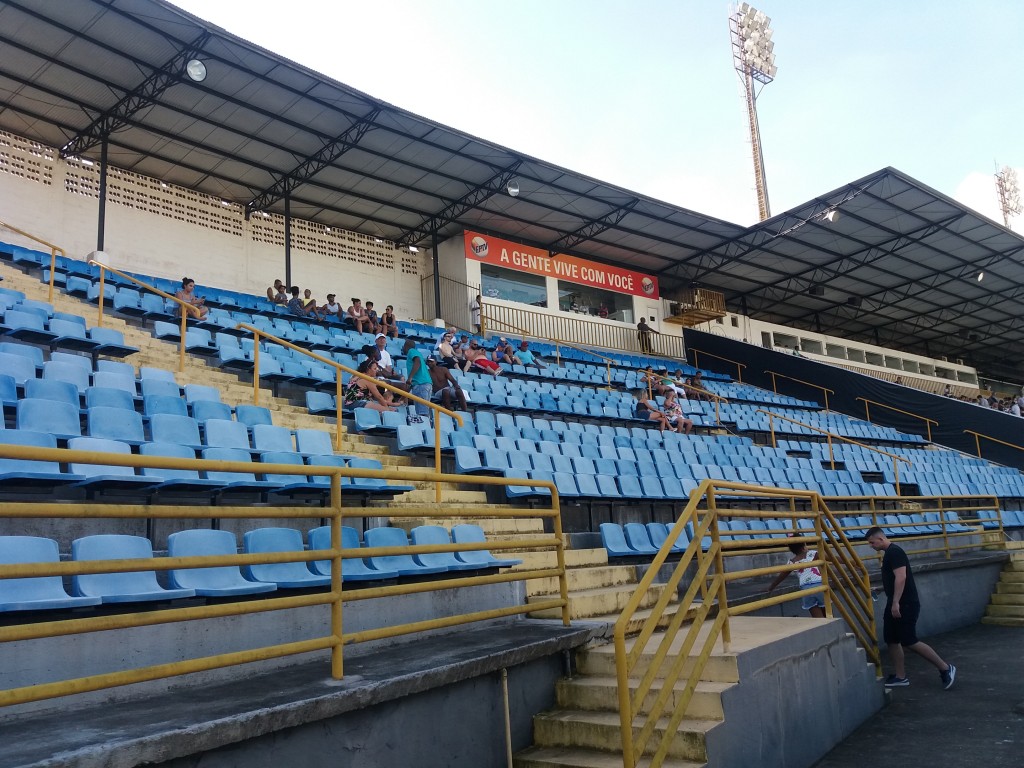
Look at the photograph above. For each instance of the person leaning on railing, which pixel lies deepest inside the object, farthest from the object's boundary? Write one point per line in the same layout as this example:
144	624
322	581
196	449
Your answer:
187	294
808	577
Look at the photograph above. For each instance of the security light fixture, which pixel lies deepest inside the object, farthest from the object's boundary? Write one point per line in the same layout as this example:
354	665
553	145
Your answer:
196	70
512	188
981	276
753	56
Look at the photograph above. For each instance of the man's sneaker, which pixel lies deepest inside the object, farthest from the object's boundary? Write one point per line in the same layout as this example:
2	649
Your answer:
948	677
898	682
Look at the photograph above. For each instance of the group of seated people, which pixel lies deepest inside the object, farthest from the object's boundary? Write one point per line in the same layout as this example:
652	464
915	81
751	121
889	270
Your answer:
365	319
661	383
471	354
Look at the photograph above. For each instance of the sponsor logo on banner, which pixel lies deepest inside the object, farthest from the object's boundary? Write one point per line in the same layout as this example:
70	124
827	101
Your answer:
504	253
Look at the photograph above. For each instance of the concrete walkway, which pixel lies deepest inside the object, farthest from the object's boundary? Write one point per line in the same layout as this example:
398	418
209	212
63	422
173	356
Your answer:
977	723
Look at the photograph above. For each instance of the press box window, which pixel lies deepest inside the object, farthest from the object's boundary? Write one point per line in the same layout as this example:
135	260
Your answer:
584	300
509	285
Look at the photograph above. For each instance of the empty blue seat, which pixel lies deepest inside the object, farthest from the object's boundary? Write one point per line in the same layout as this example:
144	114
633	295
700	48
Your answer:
134	587
169	428
266	437
314	442
244	482
26	326
25	472
19	367
36	593
426	535
52	389
159	388
639	539
71	335
614	540
195	392
116	424
223	433
320	402
204	410
110	398
253	415
176	480
352	568
106	477
404	565
467	533
59	419
111	342
170	404
67	371
215	581
290	575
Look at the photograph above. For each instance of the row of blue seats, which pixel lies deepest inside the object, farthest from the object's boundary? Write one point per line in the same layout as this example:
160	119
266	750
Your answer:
48	592
48	476
35	322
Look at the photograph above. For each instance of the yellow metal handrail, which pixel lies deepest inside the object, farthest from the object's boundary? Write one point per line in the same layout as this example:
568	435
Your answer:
775	388
979	435
339	392
867	414
559	343
53	252
187	308
845	586
335	597
833	436
739	366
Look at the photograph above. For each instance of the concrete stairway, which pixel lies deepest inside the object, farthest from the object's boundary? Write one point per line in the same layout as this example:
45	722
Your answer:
729	720
1006	607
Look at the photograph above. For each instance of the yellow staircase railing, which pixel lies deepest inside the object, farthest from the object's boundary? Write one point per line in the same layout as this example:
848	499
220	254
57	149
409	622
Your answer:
775	388
845	586
54	249
698	352
335	598
867	414
979	435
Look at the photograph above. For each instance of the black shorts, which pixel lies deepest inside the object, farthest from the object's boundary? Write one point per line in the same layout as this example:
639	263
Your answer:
902	630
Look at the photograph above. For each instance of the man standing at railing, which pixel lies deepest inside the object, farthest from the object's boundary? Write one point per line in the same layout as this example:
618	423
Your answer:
643	336
902	607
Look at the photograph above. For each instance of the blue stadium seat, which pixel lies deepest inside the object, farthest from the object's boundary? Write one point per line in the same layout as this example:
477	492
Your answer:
167	404
352	568
116	424
320	402
19	367
176	480
53	389
467	533
170	428
134	587
313	442
110	398
28	473
111	342
194	392
404	565
427	535
639	539
204	410
107	477
159	387
115	380
614	540
224	433
26	326
67	371
291	575
70	335
58	419
238	482
253	415
37	593
215	581
291	485
266	437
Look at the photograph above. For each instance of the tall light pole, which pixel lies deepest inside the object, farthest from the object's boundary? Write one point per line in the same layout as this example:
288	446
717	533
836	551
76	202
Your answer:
1008	190
754	60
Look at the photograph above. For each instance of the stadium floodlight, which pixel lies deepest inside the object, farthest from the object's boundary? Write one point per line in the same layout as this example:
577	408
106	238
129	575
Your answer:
753	55
1008	189
512	188
196	70
981	276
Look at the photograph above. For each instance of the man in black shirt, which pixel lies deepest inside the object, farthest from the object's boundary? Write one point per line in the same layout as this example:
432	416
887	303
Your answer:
902	607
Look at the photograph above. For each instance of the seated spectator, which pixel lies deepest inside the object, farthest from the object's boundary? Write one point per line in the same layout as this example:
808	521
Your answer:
372	319
310	305
460	348
446	352
446	388
187	294
678	384
357	315
296	305
476	357
674	413
654	382
502	352
384	359
332	307
602	311
363	393
525	356
389	323
645	409
277	294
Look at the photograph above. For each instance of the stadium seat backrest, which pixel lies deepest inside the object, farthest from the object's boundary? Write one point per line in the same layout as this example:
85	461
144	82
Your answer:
203	542
169	450
113	547
253	415
52	389
111	398
171	428
38	592
50	416
314	442
204	410
223	433
67	371
115	424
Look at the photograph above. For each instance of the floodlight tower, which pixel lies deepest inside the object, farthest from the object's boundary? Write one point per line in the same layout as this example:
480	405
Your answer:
1008	190
754	60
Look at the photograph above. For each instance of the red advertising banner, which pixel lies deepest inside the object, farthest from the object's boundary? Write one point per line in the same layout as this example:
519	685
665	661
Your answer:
504	253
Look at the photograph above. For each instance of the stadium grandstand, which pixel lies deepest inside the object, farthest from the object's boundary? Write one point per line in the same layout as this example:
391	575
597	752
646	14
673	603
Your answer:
238	528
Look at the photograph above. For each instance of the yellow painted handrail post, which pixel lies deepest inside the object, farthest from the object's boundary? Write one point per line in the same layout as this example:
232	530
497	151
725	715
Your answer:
558	355
716	543
103	274
819	532
650	386
53	268
337	653
437	455
826	397
896	473
563	581
867	412
831	455
608	368
718	413
339	404
255	369
977	443
771	427
183	331
775	387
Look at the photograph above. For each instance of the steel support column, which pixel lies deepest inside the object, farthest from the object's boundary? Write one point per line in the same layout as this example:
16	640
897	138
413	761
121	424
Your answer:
437	273
101	220
288	240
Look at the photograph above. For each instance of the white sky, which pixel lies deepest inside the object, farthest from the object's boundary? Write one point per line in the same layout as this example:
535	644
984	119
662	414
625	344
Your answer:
643	94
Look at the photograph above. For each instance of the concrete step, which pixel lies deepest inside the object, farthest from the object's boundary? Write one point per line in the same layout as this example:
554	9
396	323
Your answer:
602	731
491	526
1003	621
721	667
1011	576
588	603
1011	599
639	619
577	757
1005	611
601	693
581	579
423	496
574	558
1016	564
1010	587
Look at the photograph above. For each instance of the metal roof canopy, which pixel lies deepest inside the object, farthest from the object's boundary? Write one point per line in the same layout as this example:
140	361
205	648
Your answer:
260	128
896	264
